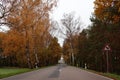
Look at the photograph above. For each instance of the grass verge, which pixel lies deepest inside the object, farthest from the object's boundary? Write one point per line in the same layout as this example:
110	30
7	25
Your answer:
6	72
114	76
10	71
110	75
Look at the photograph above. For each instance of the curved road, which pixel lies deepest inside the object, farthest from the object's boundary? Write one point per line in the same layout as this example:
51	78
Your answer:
59	72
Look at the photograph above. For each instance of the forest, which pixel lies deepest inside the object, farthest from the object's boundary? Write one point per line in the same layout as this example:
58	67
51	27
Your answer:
88	47
29	42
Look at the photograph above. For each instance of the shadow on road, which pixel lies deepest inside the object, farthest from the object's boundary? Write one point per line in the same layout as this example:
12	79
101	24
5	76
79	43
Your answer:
57	71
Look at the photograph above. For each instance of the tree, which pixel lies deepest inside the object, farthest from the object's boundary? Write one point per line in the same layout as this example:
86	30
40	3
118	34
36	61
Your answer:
110	10
71	26
107	20
2	57
66	52
67	49
6	6
55	51
13	46
83	50
30	18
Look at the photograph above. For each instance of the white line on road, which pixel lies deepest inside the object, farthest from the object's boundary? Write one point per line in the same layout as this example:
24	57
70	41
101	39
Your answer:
60	70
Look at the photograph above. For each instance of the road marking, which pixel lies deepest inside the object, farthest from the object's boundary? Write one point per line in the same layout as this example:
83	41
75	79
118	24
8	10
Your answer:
60	70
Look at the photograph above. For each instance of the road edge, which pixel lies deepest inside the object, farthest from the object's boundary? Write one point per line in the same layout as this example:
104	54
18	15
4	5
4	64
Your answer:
95	72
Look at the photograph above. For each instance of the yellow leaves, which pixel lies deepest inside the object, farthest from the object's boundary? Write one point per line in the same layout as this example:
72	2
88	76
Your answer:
116	18
119	10
2	35
13	43
30	13
108	10
99	7
29	26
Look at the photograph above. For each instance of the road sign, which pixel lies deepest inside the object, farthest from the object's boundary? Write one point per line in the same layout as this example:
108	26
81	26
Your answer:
107	48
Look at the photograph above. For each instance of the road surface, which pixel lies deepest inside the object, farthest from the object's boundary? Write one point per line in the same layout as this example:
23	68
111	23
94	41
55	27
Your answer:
59	72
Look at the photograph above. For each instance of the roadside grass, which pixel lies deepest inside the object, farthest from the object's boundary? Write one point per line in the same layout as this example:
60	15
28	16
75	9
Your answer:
6	72
110	75
11	71
114	76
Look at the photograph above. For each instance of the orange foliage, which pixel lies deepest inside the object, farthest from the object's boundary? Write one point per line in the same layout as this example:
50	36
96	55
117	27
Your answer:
13	43
29	24
107	10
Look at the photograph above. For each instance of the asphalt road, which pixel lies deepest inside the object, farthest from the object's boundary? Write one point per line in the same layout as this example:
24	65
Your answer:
59	72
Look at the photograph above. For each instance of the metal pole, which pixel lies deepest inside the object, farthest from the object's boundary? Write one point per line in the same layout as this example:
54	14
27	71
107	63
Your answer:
107	59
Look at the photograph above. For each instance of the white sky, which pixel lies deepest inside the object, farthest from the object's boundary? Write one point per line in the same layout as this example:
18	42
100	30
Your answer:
82	8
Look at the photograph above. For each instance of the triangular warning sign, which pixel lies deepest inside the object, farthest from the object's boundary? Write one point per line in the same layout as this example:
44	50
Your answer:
107	48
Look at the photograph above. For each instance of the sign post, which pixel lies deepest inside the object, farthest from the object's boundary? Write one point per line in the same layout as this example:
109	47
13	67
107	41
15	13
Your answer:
107	49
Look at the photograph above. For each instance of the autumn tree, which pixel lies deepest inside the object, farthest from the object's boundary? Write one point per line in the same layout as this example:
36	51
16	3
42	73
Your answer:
2	56
66	52
55	50
83	50
71	26
103	30
67	49
13	46
107	19
107	10
30	18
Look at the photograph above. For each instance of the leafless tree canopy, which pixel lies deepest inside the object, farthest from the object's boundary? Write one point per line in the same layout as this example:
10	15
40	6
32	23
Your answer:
71	24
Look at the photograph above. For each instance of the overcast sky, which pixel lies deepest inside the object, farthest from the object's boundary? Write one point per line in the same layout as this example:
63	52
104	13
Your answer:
82	8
